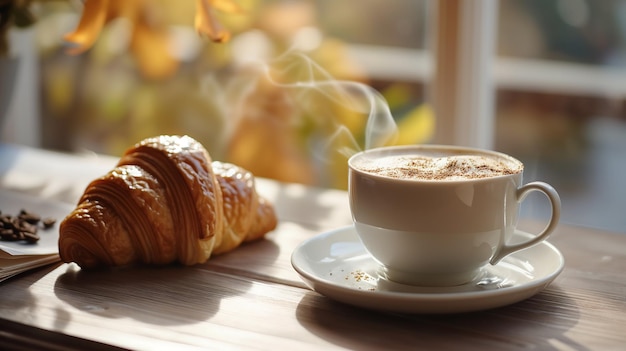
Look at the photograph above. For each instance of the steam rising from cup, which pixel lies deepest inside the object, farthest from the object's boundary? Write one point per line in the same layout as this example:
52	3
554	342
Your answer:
290	116
319	96
307	79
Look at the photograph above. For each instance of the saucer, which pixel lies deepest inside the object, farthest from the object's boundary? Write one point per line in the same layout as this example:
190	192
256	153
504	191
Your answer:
336	265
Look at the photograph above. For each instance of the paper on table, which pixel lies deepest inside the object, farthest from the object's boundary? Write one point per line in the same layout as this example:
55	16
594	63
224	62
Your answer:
17	257
17	264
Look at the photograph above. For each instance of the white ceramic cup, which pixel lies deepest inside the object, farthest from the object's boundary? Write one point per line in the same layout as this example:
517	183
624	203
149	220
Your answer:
440	232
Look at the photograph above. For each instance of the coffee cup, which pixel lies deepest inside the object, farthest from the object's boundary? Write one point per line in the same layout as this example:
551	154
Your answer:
434	215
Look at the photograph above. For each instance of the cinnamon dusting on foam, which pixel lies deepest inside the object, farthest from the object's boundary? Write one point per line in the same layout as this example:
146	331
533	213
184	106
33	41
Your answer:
454	167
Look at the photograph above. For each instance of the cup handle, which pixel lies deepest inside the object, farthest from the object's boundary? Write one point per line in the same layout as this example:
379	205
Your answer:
555	201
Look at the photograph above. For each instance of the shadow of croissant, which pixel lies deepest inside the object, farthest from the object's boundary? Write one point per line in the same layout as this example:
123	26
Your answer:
164	295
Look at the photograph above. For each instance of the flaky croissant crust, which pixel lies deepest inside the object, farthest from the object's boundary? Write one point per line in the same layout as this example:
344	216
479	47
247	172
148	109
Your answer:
164	202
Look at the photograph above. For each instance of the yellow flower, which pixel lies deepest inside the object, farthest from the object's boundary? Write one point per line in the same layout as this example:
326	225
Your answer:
150	40
95	13
205	21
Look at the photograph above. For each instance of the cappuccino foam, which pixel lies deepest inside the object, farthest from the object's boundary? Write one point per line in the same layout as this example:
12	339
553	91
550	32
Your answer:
453	167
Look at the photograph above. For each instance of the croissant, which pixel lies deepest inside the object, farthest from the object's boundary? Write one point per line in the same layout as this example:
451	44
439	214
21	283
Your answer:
164	202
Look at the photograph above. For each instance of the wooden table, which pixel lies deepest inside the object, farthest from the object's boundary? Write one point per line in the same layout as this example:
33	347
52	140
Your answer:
252	298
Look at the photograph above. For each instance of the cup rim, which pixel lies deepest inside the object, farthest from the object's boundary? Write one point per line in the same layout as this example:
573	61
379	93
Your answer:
434	147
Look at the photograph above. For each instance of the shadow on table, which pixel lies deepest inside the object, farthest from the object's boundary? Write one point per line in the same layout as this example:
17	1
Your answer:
538	323
36	334
169	295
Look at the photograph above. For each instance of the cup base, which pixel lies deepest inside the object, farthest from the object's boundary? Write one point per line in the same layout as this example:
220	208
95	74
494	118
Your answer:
428	279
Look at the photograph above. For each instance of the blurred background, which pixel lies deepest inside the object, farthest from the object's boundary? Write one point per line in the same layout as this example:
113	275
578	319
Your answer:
559	66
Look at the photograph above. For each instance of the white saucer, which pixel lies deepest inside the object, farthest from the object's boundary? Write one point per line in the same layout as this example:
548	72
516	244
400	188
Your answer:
336	265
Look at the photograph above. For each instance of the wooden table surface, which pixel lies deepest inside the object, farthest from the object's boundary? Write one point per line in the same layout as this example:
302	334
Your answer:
252	298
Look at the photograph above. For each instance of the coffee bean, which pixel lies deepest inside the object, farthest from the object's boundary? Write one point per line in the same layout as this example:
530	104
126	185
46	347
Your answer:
30	237
48	222
7	235
23	227
29	217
